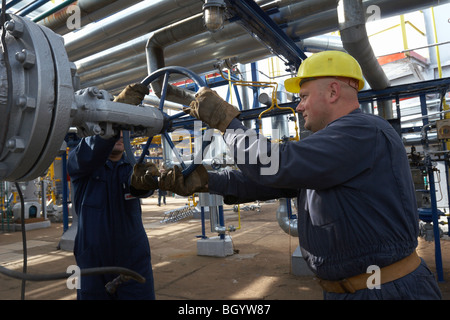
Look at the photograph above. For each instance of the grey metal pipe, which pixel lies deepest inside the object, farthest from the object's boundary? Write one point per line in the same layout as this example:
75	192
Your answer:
326	21
245	48
155	54
90	11
230	31
352	26
230	39
103	58
228	49
287	224
190	51
60	17
150	15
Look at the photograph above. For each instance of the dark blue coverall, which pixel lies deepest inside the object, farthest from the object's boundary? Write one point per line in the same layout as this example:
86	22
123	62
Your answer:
110	230
356	200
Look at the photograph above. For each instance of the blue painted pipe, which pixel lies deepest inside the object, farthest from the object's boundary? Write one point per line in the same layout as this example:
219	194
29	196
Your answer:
11	3
33	7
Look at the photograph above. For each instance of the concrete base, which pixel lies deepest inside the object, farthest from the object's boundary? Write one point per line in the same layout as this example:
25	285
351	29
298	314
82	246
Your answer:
33	225
67	241
299	266
215	247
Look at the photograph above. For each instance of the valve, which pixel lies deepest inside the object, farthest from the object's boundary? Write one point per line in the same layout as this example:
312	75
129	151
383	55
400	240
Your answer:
40	99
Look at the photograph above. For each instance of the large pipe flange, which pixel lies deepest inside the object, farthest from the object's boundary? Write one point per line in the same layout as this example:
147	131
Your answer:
40	95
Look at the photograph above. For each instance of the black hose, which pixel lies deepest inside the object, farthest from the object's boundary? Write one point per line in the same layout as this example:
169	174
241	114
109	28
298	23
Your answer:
63	275
24	238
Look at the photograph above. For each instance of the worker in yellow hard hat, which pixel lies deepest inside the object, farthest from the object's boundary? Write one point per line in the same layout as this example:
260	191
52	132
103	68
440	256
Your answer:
357	214
328	68
327	64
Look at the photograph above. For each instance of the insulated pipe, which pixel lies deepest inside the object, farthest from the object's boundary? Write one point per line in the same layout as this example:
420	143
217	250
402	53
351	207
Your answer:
150	15
189	52
232	40
246	51
155	54
352	26
158	14
356	42
285	222
325	21
230	31
90	11
134	46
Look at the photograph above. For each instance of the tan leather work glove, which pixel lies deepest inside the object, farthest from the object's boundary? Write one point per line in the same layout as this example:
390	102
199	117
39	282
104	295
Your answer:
145	176
132	94
174	181
209	107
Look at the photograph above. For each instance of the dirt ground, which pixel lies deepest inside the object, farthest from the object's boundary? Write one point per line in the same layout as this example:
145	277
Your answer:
260	268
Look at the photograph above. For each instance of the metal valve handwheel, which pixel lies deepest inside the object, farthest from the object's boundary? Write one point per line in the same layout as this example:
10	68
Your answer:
165	73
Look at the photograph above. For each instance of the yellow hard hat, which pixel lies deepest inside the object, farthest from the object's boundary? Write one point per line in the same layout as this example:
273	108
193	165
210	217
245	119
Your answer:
326	64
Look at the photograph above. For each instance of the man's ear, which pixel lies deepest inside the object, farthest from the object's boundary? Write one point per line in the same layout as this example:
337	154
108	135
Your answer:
334	91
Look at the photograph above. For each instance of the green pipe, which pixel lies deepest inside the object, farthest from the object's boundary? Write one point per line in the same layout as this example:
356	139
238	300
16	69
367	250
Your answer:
53	10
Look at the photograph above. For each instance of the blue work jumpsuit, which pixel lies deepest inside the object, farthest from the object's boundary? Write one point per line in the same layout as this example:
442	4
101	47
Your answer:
356	199
110	230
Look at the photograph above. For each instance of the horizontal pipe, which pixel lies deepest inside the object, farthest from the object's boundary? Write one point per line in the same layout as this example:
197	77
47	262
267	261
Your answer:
215	43
147	15
32	7
52	10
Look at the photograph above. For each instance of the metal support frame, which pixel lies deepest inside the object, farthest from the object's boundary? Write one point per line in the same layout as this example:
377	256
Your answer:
258	23
435	219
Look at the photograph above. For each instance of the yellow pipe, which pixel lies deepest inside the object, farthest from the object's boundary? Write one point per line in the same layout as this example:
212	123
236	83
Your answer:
437	47
230	86
404	37
399	25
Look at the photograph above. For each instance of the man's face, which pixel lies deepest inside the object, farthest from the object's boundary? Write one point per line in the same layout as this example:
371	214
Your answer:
313	105
119	147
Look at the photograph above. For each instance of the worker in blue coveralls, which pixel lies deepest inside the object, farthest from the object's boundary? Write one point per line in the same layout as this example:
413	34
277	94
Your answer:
357	215
106	199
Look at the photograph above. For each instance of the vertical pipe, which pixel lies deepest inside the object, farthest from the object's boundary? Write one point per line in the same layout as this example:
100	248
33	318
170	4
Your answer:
221	222
436	41
254	68
434	214
202	214
404	36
